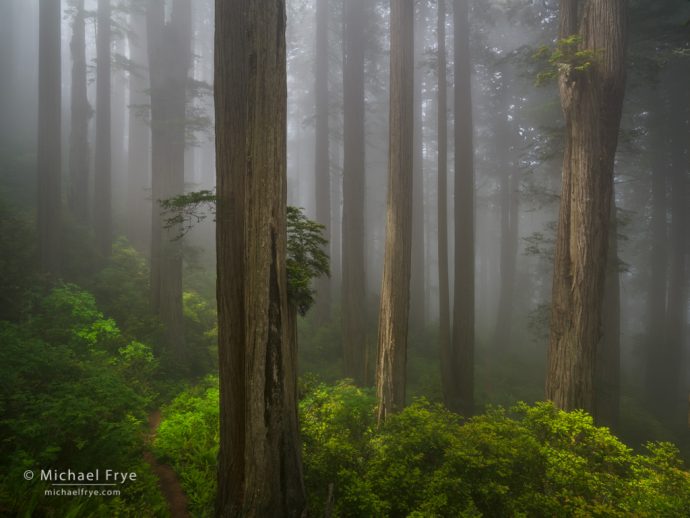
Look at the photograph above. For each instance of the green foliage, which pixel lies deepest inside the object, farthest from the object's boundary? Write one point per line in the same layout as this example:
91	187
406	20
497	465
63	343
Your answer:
566	57
529	461
122	290
306	258
188	439
306	255
17	263
64	406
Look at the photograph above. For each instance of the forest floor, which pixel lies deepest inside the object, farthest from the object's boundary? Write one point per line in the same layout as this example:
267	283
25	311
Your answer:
167	479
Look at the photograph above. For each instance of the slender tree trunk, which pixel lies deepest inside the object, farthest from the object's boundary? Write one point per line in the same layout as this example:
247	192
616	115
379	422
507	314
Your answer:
353	286
7	66
81	113
608	364
443	284
509	200
139	161
459	391
592	103
102	216
322	164
49	130
417	298
676	316
655	376
169	48
395	287
259	469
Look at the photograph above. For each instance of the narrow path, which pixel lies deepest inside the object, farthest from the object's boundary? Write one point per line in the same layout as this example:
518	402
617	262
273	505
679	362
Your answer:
167	479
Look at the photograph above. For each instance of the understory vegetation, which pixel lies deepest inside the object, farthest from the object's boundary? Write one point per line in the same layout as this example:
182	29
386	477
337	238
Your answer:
529	460
82	365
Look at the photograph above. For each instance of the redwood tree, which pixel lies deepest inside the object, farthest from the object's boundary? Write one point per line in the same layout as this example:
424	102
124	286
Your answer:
458	384
81	113
591	99
353	280
395	287
102	217
259	465
49	131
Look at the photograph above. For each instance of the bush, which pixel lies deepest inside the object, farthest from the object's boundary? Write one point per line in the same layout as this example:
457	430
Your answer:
529	461
64	406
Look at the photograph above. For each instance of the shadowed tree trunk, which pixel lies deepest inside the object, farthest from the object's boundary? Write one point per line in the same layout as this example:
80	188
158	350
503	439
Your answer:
49	130
7	36
322	164
592	102
139	161
508	200
417	298
81	113
395	287
169	47
102	214
353	284
658	257
443	284
676	317
458	389
259	468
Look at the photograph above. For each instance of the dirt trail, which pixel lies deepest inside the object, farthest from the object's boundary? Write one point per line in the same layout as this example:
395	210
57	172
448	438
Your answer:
167	479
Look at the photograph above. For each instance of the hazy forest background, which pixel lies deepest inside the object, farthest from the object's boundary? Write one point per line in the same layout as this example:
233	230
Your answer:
343	266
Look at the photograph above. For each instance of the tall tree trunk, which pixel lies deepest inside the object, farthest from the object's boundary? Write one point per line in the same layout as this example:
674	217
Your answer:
655	375
508	200
459	389
322	164
169	47
259	471
7	45
592	103
49	130
81	113
395	287
139	162
608	362
353	286
446	354
417	299
102	217
676	316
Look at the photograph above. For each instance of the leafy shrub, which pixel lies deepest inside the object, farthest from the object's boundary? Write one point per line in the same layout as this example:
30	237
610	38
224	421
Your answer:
529	461
188	438
64	406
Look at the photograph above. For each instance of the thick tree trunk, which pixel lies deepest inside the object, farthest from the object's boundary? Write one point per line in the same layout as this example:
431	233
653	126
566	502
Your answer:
443	283
169	48
353	285
322	172
458	390
81	113
49	130
259	469
102	216
592	102
139	162
395	287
